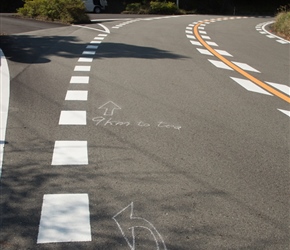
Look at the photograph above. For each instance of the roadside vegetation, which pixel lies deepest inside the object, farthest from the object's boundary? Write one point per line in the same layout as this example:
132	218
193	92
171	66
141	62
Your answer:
153	7
65	11
282	22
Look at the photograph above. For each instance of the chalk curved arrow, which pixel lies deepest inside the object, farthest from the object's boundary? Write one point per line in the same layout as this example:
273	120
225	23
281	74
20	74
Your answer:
109	108
125	217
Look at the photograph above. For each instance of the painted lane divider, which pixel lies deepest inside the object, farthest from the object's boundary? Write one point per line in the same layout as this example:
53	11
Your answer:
247	84
238	69
261	28
66	217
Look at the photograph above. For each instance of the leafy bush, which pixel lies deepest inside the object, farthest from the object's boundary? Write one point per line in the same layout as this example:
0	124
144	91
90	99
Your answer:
68	11
163	8
282	22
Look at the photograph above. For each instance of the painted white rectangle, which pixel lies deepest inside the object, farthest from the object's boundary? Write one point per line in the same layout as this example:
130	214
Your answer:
211	43
201	28
82	68
99	38
188	28
70	153
220	64
190	36
282	42
73	117
103	35
189	32
195	43
64	218
270	36
76	95
245	66
284	88
96	42
204	52
286	112
202	32
223	52
92	47
85	59
80	79
191	25
250	86
89	52
263	32
206	37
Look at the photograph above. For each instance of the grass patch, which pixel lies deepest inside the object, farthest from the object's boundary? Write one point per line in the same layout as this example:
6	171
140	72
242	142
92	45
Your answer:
65	11
282	22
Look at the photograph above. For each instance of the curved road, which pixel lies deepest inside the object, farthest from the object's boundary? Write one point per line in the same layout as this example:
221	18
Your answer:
147	133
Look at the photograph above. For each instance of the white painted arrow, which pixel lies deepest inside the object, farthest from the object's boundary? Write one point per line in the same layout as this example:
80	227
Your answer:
109	108
136	222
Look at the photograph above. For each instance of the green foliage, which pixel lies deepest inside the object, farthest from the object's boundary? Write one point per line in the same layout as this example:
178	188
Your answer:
164	7
282	22
68	11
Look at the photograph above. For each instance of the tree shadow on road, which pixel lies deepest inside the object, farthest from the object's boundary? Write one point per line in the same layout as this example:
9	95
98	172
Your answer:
30	49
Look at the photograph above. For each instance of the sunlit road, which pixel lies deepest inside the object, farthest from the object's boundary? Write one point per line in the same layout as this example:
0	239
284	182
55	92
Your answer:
147	133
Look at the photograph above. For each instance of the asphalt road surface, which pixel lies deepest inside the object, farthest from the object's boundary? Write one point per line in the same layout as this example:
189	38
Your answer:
147	133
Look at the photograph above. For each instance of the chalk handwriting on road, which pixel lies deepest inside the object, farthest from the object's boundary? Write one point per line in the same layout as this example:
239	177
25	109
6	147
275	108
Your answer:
103	121
127	218
109	108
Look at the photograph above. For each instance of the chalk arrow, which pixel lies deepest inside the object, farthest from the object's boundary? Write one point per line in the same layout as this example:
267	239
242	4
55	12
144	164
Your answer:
109	108
128	221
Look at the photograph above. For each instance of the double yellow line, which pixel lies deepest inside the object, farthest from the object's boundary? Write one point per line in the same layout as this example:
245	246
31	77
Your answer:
239	70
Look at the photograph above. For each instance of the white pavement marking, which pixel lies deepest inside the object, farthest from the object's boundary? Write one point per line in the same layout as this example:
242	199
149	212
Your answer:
80	79
202	32
92	47
190	36
211	43
250	86
204	52
200	28
70	153
103	35
4	103
96	42
64	218
206	37
220	64
99	38
281	87
245	66
189	32
195	43
85	59
286	112
282	41
73	117
76	95
280	38
82	68
223	52
89	52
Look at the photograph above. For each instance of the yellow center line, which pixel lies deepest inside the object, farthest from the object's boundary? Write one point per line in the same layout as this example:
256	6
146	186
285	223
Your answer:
238	69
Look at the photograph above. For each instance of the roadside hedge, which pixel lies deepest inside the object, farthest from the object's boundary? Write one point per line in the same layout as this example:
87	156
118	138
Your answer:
282	22
153	7
67	11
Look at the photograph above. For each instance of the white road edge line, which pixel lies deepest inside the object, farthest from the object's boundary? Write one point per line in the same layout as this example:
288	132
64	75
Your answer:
264	29
4	103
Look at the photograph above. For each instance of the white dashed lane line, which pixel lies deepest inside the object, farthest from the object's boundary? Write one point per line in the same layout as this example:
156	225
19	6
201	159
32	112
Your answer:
261	28
197	29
